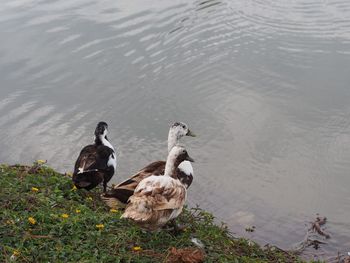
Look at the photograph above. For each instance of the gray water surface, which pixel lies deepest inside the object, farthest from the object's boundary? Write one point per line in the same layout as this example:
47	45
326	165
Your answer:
265	85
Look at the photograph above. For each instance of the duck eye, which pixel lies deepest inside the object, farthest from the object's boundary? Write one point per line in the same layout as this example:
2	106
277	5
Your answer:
183	126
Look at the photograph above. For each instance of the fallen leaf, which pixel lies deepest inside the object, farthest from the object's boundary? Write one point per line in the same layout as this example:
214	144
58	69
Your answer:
185	255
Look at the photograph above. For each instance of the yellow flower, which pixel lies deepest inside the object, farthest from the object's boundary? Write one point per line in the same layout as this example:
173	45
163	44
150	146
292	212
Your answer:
14	255
69	174
41	161
34	189
100	226
113	210
64	215
136	248
74	188
77	211
32	220
89	198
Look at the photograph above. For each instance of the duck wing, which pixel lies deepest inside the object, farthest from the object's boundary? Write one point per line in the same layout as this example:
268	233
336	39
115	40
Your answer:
86	160
152	197
93	166
86	175
94	157
119	195
155	168
164	192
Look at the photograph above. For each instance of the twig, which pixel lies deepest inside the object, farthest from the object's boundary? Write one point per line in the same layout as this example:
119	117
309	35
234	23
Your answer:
307	241
316	226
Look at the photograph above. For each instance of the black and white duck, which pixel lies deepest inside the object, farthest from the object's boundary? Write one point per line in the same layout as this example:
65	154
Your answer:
159	199
118	196
96	162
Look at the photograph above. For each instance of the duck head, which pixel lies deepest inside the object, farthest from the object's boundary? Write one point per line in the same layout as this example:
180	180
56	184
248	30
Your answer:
101	131
181	129
176	131
177	155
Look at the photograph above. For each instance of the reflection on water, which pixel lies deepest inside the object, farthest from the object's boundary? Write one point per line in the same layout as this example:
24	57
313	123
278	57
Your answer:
264	84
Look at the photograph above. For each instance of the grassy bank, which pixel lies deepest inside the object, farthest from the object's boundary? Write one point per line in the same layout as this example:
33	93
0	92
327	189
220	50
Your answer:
44	218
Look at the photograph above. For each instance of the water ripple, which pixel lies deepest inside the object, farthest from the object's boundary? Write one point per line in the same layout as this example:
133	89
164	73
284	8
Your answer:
265	83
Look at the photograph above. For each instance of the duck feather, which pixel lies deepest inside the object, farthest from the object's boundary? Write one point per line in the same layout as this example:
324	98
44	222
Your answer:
118	196
156	200
92	167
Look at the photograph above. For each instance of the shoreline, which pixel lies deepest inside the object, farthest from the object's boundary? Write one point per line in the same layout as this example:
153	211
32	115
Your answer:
46	218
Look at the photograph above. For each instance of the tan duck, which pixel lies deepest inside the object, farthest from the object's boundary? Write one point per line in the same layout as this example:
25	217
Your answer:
119	195
159	199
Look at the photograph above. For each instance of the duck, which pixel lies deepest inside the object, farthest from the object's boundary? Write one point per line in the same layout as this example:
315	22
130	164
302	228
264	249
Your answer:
159	199
97	162
118	196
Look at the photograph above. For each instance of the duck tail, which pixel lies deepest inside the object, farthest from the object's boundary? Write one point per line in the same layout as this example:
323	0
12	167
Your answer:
87	179
138	210
117	198
134	215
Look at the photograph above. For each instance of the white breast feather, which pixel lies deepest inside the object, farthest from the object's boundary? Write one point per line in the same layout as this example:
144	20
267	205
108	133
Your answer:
186	167
147	184
112	161
106	142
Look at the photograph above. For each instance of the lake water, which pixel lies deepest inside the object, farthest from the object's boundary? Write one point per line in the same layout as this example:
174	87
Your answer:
265	85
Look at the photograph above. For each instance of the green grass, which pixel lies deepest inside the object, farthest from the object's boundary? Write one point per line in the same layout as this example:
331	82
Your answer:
76	238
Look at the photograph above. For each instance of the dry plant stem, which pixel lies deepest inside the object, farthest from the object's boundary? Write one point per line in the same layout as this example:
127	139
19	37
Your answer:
307	242
316	226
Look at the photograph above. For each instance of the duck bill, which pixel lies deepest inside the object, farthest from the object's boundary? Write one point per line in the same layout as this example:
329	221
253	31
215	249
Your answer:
189	133
188	158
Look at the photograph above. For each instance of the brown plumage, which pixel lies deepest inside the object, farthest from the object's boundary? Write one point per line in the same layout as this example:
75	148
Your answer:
155	204
119	195
158	199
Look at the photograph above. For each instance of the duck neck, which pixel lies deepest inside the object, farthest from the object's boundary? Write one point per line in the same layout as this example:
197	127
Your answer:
103	140
170	167
173	139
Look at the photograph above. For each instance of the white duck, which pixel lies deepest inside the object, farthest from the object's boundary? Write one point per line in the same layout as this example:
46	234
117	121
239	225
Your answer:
159	199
